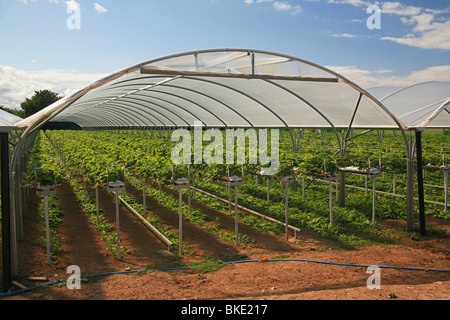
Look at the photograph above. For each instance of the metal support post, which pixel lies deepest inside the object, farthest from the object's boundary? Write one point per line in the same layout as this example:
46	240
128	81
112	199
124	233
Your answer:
180	184
118	225
180	222
342	189
96	204
374	196
303	187
46	191
446	189
287	180
47	230
409	196
144	199
420	182
331	203
115	187
235	181
236	224
6	218
286	211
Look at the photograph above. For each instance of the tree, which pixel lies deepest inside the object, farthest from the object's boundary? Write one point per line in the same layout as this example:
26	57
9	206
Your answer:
39	101
16	112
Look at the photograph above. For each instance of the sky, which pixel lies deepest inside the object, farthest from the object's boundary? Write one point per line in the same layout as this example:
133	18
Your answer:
63	45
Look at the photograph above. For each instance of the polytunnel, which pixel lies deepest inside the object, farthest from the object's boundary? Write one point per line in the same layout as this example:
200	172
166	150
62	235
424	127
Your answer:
7	126
418	107
230	88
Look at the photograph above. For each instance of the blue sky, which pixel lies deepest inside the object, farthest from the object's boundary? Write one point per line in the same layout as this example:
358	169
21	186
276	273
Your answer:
38	50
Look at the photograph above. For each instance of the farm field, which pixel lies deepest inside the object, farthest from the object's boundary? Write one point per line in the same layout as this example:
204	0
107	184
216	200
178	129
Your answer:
82	163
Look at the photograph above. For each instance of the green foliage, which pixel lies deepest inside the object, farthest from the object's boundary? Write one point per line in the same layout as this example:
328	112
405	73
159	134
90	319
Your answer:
42	169
40	100
150	159
55	215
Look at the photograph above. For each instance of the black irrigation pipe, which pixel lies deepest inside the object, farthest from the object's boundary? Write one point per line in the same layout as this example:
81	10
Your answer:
226	263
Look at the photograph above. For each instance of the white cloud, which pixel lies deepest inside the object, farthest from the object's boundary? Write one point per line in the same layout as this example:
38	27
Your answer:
398	9
296	10
429	35
257	1
377	78
26	1
17	84
282	6
99	8
382	71
427	29
345	35
72	5
355	3
279	6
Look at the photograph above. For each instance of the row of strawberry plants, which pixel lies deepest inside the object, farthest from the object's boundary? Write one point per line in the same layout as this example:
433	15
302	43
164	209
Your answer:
217	205
196	216
152	163
70	173
316	220
97	153
43	171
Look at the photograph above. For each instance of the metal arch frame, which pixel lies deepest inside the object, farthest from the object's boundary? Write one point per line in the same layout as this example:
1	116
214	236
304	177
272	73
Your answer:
188	89
170	102
168	110
158	105
214	99
137	67
183	88
186	99
436	112
128	95
311	106
138	111
196	52
38	120
104	122
129	105
145	107
113	106
243	94
405	88
168	79
118	111
176	105
92	120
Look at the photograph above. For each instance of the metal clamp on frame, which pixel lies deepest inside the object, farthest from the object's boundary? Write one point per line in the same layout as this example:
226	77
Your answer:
116	186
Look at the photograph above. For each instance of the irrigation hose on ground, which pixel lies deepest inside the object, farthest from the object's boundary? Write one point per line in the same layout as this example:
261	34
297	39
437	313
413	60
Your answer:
225	263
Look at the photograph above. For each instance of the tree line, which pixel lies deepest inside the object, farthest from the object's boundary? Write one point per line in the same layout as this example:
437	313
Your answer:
39	100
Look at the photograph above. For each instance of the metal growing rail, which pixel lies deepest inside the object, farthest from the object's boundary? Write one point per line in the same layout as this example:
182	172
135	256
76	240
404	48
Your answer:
294	229
154	230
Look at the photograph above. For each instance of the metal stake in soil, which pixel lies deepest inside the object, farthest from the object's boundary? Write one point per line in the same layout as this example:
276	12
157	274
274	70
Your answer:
235	181
181	184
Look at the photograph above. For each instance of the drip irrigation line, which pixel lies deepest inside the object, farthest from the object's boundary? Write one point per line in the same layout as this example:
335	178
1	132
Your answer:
226	263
